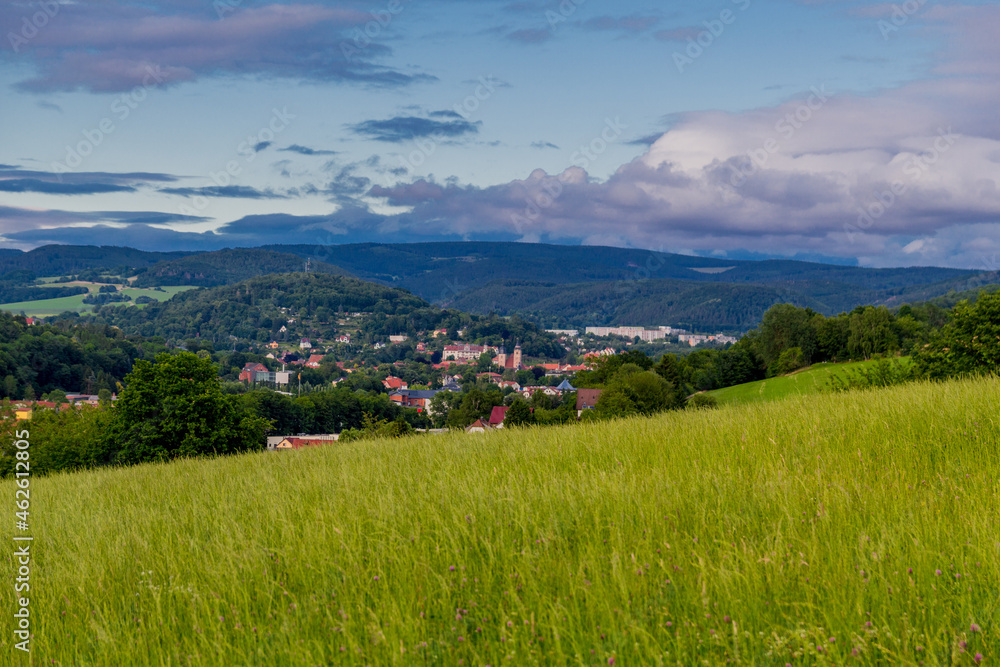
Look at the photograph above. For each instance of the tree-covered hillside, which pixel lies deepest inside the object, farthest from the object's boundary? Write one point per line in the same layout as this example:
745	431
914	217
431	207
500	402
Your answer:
57	260
35	360
225	267
252	309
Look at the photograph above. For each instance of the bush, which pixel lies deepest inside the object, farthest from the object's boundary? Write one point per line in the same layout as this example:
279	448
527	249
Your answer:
790	360
702	401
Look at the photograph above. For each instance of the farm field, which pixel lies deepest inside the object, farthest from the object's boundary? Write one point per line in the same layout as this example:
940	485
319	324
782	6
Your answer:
855	528
811	380
46	307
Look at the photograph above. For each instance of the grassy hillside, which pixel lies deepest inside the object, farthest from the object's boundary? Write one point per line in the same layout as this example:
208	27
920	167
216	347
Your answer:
838	529
812	380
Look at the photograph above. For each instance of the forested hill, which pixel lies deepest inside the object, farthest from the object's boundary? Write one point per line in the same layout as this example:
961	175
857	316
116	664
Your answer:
699	305
252	309
224	267
702	305
69	356
440	271
58	260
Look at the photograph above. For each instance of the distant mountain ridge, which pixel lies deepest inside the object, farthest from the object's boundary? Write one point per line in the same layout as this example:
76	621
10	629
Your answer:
225	267
552	284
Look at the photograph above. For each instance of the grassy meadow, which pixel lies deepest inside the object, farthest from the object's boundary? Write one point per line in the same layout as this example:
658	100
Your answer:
811	380
47	307
857	528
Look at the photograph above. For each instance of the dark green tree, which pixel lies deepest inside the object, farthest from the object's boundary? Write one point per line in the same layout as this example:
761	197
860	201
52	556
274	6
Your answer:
519	414
175	408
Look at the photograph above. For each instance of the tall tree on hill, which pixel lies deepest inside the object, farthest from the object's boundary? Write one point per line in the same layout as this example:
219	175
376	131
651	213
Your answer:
970	343
175	408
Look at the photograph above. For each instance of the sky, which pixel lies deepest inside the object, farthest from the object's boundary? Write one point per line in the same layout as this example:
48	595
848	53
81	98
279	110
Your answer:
826	130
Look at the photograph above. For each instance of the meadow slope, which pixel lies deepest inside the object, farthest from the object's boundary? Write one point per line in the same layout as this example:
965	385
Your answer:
856	528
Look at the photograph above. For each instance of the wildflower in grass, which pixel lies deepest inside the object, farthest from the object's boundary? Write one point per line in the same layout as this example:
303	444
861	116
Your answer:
833	640
461	639
978	658
962	645
611	660
974	628
451	569
937	572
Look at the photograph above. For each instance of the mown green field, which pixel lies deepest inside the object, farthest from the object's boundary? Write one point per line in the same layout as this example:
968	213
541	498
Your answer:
856	528
812	380
46	307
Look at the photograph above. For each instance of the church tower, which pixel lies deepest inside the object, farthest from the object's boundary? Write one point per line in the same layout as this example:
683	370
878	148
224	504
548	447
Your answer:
517	357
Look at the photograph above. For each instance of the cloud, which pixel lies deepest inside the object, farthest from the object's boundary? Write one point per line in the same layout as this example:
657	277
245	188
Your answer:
406	128
231	191
446	113
647	140
113	46
907	176
51	223
85	177
261	145
55	188
543	145
304	150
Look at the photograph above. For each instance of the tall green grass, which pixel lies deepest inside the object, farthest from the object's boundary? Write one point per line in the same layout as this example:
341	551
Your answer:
815	379
857	528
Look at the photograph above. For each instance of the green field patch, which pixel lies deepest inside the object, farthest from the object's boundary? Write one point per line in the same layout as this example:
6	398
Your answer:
811	380
47	307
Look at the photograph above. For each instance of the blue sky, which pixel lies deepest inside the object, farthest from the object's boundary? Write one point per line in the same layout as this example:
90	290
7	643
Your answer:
824	129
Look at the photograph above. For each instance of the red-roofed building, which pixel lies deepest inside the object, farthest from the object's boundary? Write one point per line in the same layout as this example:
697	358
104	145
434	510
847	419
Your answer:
586	399
478	426
299	443
498	415
249	371
393	382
